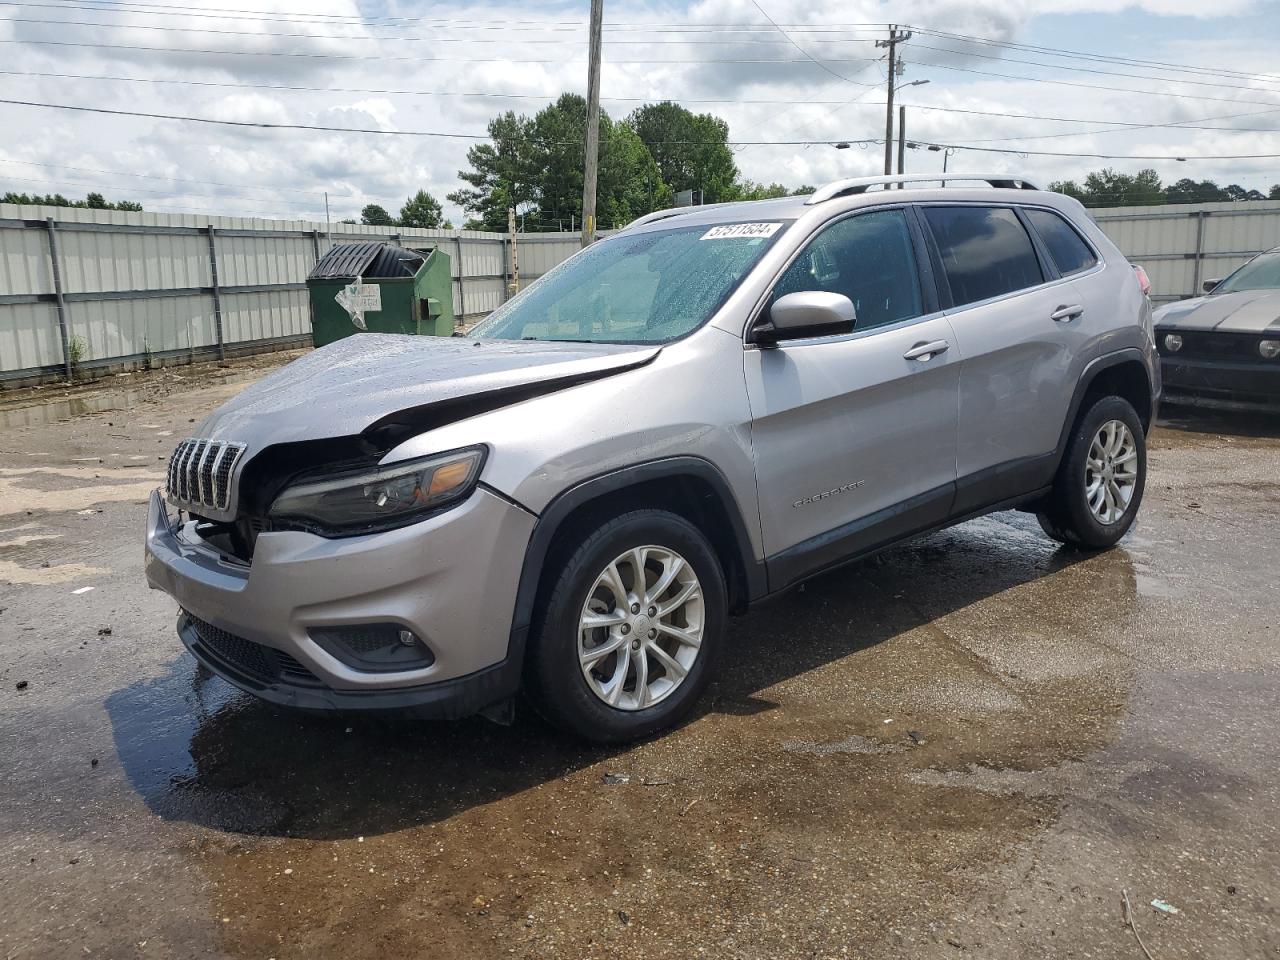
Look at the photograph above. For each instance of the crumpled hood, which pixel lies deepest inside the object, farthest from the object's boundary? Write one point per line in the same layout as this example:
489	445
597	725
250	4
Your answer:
1249	311
343	388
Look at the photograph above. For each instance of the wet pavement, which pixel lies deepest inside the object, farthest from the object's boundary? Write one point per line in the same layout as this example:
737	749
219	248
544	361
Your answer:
970	745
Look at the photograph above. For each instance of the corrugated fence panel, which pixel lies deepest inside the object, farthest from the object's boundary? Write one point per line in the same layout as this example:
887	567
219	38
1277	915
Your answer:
1182	245
142	282
29	336
270	315
24	262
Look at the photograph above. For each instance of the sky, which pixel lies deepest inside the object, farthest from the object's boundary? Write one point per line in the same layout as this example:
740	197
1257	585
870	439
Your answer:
1131	71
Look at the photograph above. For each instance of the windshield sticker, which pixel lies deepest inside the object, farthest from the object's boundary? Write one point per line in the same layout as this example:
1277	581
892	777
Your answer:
741	231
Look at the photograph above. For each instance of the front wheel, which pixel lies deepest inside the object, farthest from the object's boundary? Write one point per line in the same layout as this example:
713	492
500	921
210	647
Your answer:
630	629
1099	485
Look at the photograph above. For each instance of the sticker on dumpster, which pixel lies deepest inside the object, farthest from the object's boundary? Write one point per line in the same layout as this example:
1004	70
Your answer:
359	298
741	231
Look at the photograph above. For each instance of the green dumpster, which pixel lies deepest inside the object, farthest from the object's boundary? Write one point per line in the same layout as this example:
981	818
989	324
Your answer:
382	288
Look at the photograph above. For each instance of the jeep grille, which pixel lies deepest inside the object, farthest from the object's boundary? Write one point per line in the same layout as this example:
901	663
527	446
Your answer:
200	473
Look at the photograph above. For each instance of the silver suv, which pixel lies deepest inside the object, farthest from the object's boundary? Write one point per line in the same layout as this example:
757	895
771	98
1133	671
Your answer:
698	412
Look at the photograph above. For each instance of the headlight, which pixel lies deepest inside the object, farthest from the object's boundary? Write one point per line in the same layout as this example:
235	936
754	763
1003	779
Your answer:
1270	349
380	498
1172	342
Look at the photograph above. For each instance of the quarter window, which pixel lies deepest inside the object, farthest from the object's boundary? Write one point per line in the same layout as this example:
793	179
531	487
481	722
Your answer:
1069	252
985	251
868	258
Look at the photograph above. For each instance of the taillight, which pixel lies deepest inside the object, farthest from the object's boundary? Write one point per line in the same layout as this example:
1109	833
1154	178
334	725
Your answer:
1143	280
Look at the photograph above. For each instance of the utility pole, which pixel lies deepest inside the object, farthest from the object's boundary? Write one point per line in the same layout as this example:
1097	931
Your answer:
902	143
328	224
895	38
593	127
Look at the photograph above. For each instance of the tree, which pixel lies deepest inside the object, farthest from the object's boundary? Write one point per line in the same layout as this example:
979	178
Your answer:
1237	193
1070	188
1275	192
1187	190
690	149
749	190
502	172
534	164
421	210
375	216
93	201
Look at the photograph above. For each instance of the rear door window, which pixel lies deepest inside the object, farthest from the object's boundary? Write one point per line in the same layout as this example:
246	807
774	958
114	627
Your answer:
1069	251
985	251
870	259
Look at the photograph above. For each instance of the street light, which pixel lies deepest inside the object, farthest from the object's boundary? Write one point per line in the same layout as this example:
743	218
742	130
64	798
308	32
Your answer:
946	152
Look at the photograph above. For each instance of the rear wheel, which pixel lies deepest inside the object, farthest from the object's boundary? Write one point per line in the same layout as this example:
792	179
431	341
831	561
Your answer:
630	629
1099	485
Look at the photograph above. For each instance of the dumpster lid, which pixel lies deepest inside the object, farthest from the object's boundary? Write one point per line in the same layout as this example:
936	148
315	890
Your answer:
370	259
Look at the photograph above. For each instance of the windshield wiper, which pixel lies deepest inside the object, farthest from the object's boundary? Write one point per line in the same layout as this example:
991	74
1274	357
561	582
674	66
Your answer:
556	340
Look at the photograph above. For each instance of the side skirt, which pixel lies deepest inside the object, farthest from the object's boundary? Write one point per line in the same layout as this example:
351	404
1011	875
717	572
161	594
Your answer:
990	491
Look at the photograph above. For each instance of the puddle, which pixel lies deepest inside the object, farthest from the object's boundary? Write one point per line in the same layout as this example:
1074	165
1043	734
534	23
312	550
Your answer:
43	411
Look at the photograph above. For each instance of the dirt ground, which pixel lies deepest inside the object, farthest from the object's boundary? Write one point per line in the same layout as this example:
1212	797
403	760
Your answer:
968	746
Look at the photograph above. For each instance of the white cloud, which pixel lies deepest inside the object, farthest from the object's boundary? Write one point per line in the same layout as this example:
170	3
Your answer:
278	172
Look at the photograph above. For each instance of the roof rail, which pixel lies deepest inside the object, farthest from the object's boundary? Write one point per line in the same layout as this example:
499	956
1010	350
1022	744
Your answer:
658	215
852	185
680	211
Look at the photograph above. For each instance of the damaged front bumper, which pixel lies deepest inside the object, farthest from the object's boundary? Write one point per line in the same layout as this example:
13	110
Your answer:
449	581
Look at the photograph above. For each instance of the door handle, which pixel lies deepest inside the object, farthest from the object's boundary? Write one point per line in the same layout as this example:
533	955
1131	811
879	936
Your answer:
1066	314
926	351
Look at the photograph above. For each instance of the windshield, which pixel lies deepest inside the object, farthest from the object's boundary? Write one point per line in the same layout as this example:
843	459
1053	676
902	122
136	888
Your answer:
641	288
1260	273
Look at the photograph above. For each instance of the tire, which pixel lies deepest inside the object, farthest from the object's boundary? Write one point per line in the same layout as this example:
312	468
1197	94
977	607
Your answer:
1092	509
568	680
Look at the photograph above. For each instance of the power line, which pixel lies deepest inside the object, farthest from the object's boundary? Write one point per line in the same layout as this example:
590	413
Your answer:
548	97
367	38
655	98
1101	58
1101	156
807	54
56	181
386	59
1096	86
1092	70
760	143
154	176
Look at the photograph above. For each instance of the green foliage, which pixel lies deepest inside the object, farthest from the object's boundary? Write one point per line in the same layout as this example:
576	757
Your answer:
375	216
77	350
749	190
422	210
94	201
1107	188
1275	192
691	150
535	165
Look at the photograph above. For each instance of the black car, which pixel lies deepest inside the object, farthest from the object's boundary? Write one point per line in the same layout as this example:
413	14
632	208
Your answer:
1226	345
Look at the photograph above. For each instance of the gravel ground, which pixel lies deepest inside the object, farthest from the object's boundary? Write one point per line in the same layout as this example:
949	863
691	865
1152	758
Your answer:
969	745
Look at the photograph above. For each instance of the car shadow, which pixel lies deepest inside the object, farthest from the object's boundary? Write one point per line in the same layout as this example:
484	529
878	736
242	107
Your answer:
1191	417
199	751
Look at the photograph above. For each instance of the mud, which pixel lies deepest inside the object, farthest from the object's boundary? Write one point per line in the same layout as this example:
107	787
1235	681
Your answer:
968	745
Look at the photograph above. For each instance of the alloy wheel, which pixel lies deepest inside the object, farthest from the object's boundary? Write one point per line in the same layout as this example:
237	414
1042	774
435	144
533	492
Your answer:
641	628
1111	471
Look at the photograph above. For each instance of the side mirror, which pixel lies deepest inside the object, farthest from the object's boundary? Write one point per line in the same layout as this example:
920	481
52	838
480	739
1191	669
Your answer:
808	313
1208	285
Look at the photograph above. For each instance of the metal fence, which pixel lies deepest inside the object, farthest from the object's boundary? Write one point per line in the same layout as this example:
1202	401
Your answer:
1182	245
91	289
94	289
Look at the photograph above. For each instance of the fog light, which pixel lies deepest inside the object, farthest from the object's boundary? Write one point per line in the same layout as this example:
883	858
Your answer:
375	647
1172	342
1270	349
